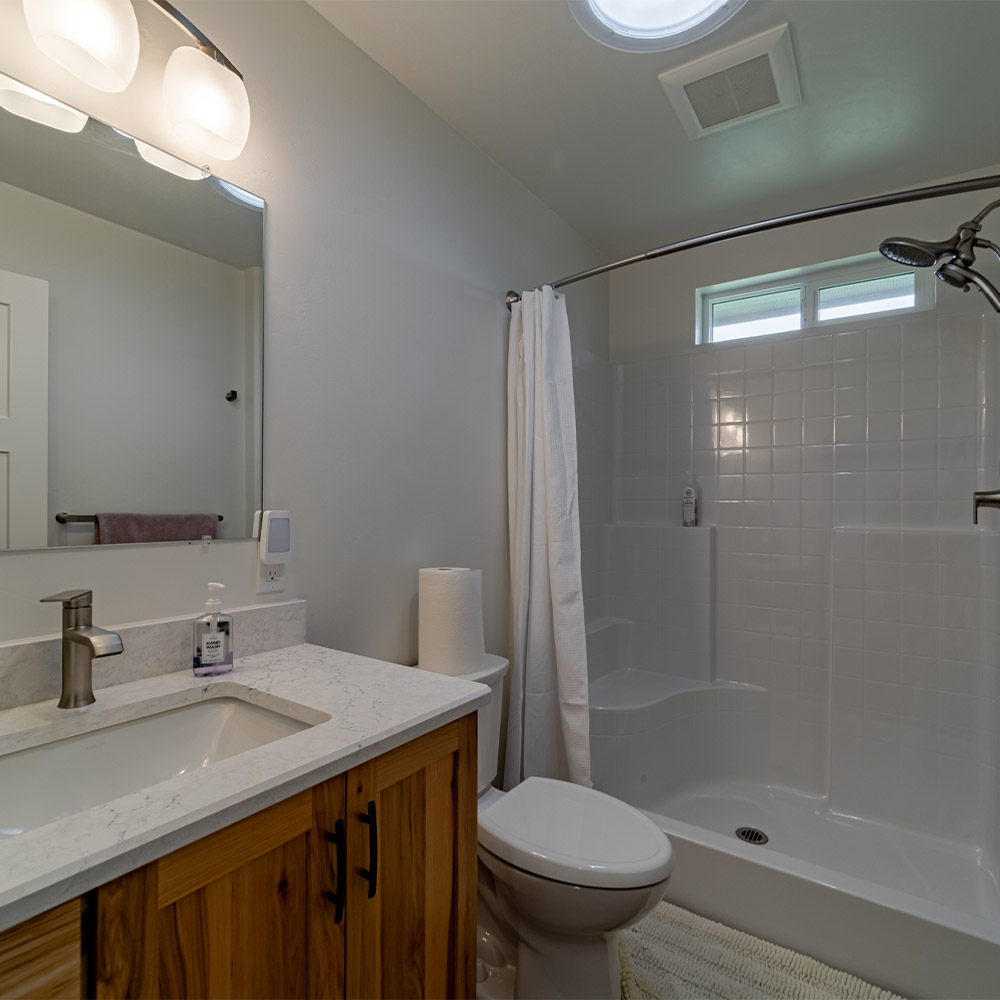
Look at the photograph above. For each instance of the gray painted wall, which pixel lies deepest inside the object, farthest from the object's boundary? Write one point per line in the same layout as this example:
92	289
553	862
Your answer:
391	241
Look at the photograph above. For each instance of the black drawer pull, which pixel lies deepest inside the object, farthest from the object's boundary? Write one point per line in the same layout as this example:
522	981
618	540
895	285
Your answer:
371	874
337	898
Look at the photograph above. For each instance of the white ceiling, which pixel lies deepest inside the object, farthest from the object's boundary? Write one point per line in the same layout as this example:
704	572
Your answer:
894	93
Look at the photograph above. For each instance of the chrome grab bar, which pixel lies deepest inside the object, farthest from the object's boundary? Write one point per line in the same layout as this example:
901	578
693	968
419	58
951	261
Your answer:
984	498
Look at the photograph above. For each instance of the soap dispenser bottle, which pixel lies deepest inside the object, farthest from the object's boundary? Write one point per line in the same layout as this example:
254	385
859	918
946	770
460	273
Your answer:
689	503
213	637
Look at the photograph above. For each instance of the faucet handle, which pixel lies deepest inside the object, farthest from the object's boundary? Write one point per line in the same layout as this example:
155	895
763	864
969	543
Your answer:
71	598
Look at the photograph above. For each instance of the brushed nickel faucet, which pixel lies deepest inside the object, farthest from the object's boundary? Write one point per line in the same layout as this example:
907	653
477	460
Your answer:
984	498
81	643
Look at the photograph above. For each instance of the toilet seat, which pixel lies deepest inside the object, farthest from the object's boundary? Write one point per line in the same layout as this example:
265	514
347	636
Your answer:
576	835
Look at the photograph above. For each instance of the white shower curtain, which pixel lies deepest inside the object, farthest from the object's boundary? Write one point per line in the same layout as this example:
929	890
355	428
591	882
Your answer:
548	732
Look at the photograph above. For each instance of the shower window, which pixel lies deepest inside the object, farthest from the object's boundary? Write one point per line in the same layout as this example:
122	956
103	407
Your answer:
830	293
862	298
757	315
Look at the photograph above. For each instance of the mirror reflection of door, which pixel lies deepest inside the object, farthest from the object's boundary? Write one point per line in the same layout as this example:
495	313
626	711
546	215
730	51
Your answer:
24	410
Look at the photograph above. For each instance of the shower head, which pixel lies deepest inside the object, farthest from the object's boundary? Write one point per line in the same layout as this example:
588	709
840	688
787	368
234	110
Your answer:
917	253
954	275
953	258
921	253
958	275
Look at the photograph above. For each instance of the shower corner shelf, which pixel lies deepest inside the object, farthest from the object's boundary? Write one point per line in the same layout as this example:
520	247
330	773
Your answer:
634	690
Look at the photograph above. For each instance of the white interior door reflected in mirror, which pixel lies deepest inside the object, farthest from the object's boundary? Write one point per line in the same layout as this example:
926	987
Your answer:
24	410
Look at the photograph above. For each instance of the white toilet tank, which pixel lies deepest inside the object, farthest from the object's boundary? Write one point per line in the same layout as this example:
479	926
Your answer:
488	718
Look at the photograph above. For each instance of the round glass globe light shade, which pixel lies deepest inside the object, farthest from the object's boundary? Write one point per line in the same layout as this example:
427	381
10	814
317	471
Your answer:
206	104
95	40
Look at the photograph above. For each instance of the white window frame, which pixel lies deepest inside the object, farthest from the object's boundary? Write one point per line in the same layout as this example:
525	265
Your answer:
809	281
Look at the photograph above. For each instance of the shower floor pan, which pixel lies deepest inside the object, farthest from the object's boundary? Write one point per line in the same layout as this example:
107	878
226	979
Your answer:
915	912
943	872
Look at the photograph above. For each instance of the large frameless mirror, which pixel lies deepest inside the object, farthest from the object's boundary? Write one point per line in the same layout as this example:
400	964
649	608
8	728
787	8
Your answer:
131	332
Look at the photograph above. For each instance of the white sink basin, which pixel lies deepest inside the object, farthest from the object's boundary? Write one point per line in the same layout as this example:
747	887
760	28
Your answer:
67	776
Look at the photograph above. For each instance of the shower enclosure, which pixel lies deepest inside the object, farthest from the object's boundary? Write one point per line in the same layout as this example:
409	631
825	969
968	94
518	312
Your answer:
805	689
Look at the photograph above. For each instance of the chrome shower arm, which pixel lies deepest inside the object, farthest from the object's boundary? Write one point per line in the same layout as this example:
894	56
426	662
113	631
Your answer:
986	211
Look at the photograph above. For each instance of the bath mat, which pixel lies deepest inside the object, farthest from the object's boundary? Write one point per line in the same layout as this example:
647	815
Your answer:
674	954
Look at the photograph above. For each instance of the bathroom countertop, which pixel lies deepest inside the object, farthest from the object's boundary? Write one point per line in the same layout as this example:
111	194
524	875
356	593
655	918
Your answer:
372	706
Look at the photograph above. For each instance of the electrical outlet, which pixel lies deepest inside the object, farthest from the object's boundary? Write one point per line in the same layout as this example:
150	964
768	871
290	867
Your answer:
272	577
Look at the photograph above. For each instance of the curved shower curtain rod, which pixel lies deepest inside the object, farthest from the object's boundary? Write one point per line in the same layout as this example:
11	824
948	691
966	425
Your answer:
879	201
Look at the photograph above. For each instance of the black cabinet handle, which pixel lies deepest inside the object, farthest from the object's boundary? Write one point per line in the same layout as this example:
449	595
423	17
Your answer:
337	898
371	874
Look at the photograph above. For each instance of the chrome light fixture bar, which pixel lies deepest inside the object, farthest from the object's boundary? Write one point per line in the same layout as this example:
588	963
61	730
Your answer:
204	96
204	42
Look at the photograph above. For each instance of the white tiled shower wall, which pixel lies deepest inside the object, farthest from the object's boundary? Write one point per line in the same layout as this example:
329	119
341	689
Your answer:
593	390
915	684
885	426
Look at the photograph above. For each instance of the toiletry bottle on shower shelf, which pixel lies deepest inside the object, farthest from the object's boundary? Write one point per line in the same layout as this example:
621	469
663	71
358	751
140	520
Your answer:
689	504
213	638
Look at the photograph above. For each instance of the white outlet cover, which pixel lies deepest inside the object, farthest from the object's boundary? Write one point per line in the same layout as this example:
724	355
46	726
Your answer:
271	578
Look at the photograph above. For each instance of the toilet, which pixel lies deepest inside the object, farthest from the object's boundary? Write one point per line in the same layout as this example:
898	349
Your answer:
562	868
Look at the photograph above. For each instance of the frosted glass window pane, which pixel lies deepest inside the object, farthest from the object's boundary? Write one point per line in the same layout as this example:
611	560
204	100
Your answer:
757	315
874	295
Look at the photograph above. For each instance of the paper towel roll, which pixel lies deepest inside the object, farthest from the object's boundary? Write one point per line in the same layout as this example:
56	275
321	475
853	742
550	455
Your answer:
450	620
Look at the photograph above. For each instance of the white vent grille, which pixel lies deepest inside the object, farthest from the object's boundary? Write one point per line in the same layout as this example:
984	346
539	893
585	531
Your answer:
751	78
733	93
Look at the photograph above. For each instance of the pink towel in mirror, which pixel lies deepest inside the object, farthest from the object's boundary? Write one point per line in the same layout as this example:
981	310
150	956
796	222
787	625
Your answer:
120	528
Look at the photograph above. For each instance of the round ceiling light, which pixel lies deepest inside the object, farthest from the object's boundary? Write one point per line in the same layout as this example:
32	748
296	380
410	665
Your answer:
651	25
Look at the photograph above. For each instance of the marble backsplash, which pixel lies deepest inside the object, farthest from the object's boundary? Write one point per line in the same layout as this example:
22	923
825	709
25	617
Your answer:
31	669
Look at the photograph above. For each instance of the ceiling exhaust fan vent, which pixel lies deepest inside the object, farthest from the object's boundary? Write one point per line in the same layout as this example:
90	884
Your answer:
745	80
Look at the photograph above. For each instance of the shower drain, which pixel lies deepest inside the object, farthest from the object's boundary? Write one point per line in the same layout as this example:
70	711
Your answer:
751	835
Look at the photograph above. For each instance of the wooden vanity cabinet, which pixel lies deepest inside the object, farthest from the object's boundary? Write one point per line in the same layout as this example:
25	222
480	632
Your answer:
363	886
43	957
416	936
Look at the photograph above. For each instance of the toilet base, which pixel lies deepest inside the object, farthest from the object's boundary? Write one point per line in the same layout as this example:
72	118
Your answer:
568	947
584	968
568	968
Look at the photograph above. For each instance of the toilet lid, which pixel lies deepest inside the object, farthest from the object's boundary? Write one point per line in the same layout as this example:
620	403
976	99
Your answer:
575	835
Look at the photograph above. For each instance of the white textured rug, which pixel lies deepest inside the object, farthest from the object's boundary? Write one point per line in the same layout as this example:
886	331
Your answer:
674	954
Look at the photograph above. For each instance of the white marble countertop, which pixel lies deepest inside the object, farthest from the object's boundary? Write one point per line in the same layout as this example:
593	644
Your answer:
372	707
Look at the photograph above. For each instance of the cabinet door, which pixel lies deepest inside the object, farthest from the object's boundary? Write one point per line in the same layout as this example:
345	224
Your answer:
42	957
411	905
327	891
226	916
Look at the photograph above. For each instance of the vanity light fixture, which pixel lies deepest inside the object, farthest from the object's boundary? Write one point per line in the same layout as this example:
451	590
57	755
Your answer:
95	40
206	103
173	165
204	98
26	102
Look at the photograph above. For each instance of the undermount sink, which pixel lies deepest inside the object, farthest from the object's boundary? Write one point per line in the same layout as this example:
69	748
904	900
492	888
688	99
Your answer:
67	776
